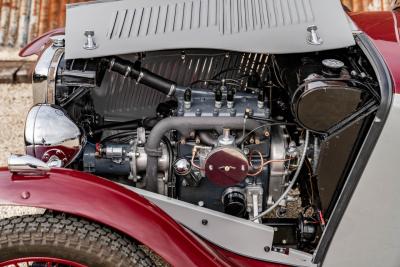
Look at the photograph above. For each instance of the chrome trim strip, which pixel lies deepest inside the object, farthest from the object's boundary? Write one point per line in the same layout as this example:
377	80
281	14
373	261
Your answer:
45	73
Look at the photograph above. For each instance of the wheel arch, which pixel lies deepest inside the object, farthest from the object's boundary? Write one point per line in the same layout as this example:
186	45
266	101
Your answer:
104	202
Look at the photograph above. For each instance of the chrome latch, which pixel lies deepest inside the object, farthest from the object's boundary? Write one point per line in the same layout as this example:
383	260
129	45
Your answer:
90	42
313	37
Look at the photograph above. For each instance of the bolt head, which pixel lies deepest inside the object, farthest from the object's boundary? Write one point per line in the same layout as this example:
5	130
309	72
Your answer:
267	249
204	222
312	28
25	195
89	33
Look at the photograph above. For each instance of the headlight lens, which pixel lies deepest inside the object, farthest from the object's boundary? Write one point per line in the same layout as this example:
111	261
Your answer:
51	136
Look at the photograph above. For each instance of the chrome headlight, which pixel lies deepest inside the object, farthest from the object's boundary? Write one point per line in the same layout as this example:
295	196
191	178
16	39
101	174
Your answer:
51	136
45	71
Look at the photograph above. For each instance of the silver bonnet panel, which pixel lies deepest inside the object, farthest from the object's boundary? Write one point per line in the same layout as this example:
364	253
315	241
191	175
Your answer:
257	26
234	234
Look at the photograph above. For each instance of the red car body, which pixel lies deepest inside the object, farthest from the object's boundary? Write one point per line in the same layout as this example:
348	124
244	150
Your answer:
95	198
383	29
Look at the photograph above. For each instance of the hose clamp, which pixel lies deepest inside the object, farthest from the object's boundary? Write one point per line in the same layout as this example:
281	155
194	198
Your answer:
140	77
128	71
172	90
112	62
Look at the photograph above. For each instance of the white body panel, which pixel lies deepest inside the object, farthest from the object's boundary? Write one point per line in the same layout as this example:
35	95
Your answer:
259	26
368	234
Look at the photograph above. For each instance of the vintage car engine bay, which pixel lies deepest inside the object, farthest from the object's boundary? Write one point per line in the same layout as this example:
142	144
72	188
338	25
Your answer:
264	137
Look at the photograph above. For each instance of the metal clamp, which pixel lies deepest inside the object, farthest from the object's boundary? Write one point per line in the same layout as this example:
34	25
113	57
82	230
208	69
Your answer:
140	77
128	71
172	90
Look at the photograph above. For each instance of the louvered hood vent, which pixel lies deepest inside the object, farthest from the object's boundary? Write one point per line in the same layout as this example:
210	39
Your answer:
259	26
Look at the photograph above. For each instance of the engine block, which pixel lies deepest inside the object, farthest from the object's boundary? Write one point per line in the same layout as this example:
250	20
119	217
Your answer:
204	104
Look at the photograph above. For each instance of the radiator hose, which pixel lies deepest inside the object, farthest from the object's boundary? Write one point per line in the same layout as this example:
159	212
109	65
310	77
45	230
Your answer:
143	76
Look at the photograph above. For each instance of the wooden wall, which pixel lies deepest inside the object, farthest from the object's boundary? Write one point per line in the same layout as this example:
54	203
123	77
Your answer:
23	20
367	5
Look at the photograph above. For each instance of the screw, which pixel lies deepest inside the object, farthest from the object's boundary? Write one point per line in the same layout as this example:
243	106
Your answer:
25	195
198	112
267	249
204	222
89	33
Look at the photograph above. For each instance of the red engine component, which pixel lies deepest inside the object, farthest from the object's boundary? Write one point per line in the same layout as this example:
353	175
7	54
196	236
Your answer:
226	166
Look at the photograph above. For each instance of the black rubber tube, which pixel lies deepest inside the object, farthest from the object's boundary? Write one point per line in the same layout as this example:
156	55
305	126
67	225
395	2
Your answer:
141	75
184	125
207	139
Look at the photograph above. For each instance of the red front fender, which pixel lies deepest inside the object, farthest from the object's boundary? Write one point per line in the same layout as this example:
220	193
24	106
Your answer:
105	202
36	46
110	204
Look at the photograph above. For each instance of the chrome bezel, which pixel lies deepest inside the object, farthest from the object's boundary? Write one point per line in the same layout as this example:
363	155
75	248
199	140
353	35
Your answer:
45	73
50	126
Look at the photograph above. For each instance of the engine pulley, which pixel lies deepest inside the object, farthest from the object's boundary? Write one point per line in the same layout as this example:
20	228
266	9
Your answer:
226	166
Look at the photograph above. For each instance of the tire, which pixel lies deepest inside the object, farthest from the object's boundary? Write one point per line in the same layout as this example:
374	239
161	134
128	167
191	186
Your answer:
69	238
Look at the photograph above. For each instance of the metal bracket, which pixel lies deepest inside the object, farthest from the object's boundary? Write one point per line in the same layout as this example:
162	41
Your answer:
27	165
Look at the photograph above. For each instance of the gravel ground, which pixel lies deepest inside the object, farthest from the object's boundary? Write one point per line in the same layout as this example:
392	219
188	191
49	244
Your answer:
15	101
7	53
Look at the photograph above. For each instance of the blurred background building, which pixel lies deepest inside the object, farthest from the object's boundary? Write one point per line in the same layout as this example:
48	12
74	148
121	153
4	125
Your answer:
23	20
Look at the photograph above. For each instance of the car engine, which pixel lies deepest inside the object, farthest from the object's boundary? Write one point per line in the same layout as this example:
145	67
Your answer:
246	134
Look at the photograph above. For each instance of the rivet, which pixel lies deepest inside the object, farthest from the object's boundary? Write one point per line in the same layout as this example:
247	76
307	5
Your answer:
25	195
204	222
267	249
